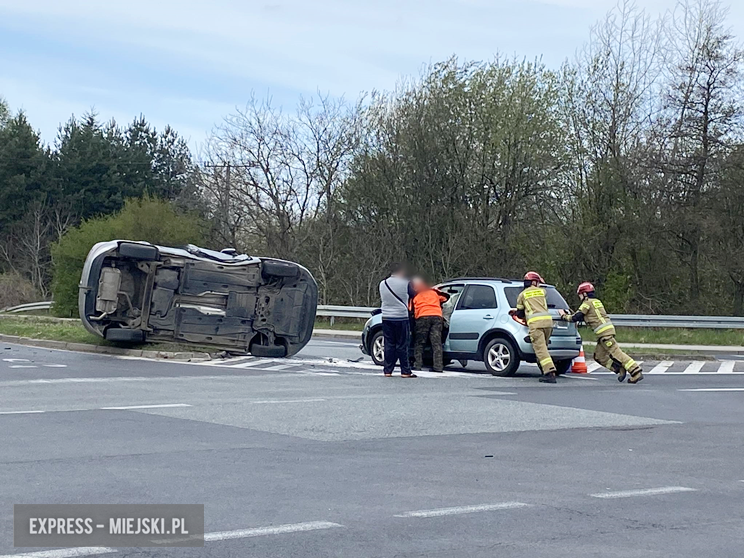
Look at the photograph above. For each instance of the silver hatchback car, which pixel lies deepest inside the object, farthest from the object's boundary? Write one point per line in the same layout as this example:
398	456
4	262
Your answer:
481	328
133	292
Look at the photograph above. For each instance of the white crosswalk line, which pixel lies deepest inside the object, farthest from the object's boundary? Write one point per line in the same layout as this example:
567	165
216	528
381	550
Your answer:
252	363
225	361
694	367
727	367
661	367
280	367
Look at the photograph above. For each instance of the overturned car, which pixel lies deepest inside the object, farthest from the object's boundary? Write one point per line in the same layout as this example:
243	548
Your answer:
135	291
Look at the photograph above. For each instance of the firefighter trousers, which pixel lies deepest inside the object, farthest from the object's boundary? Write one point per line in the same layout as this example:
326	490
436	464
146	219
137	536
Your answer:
609	355
539	337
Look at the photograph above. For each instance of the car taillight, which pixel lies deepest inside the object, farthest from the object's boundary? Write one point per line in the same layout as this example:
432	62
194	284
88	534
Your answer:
519	320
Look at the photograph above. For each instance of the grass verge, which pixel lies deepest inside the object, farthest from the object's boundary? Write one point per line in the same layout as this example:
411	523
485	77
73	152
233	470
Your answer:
39	327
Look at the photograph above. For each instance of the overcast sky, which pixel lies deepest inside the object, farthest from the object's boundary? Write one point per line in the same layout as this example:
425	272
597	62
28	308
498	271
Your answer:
190	62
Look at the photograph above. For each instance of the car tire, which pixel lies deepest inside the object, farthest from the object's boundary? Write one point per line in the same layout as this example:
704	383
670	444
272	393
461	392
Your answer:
377	348
268	351
501	357
139	252
271	268
563	366
120	335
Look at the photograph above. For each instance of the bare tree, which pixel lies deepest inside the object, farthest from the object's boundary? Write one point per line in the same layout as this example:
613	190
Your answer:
703	114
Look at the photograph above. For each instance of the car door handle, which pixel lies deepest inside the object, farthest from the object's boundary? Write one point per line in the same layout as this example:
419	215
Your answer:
488	317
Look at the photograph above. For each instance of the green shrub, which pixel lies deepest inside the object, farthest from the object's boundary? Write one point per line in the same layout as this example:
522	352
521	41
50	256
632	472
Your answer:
148	219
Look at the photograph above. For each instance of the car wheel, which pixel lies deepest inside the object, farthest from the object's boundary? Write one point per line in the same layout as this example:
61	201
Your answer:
139	252
268	351
270	268
562	366
500	357
377	348
120	335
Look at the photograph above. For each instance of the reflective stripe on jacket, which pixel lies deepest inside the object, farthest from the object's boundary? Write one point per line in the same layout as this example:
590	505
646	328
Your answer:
596	317
534	303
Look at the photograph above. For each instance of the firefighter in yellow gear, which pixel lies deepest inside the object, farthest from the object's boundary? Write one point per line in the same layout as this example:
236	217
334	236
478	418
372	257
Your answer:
607	352
532	306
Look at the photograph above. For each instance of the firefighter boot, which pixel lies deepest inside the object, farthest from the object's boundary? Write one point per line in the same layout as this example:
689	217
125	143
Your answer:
620	371
548	378
636	376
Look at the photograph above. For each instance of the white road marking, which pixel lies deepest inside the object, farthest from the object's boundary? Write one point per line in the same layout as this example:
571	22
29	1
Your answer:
134	407
23	366
250	363
55	365
727	367
464	509
16	360
712	390
694	367
280	367
644	492
275	401
21	413
262	531
661	367
64	553
579	377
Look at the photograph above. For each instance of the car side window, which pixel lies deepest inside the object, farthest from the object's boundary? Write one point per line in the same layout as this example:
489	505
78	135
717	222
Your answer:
478	297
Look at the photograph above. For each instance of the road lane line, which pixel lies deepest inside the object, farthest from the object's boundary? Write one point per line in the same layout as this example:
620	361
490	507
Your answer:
54	365
727	367
661	368
23	366
694	367
64	552
712	390
275	401
263	531
464	509
16	360
135	407
21	413
644	492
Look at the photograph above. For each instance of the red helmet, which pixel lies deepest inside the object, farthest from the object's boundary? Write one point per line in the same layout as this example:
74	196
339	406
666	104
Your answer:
585	288
533	276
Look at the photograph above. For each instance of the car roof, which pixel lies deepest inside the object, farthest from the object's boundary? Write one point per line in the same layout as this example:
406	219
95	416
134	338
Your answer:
493	280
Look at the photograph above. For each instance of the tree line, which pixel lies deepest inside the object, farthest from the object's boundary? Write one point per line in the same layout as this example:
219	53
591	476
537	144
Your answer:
624	167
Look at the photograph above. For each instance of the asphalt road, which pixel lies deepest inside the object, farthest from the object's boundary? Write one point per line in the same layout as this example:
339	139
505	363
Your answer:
310	457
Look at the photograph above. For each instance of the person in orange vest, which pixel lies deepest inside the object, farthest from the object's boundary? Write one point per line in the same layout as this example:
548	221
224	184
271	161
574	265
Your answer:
427	311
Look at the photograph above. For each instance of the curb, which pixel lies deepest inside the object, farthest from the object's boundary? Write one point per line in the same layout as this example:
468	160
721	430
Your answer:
330	334
105	349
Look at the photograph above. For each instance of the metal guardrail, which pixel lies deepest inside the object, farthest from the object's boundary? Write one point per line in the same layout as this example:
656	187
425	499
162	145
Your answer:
32	307
621	320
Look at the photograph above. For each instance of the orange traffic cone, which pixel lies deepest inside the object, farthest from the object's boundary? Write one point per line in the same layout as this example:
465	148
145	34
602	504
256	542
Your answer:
579	363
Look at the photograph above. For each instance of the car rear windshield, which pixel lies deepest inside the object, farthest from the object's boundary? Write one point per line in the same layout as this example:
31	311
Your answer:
555	300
